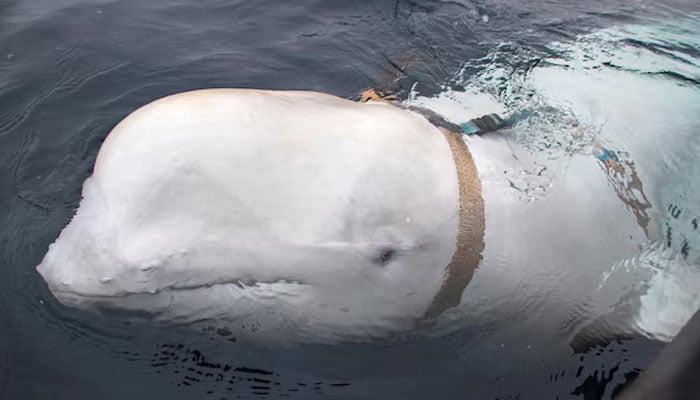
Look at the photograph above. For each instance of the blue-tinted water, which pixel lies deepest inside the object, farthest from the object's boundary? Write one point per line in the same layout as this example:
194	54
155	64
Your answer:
70	70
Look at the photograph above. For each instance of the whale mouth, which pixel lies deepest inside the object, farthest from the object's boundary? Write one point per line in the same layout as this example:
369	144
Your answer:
138	299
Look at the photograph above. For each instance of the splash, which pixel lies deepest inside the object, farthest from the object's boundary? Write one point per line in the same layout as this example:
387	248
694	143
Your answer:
628	96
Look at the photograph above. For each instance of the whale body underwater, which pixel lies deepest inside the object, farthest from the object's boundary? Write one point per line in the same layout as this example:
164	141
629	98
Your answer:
307	216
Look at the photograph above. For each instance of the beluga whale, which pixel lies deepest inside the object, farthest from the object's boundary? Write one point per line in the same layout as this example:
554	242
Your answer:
301	212
310	217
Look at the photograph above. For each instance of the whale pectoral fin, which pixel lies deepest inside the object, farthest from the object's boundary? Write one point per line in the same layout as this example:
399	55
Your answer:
603	331
661	300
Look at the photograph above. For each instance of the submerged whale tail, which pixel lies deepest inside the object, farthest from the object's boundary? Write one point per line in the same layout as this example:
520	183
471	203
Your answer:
657	308
670	300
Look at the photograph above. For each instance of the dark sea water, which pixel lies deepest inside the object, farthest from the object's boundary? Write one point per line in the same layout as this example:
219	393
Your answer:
71	69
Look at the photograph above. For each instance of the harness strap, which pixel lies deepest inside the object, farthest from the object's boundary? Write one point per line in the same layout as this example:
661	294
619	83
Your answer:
470	235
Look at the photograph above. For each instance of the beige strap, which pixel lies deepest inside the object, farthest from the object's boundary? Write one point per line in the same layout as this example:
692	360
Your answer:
470	236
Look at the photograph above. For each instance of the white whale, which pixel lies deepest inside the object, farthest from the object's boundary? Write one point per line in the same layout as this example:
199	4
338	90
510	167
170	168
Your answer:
300	208
303	215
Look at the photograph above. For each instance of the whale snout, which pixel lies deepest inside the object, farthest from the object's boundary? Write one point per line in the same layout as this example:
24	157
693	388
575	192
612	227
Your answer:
79	270
61	288
67	285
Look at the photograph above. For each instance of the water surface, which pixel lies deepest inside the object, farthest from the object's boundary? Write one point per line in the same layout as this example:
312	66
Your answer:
70	70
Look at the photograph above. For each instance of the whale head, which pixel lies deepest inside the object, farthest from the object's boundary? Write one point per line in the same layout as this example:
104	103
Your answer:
296	211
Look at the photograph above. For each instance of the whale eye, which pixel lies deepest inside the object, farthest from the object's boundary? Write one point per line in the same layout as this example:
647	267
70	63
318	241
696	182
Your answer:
386	256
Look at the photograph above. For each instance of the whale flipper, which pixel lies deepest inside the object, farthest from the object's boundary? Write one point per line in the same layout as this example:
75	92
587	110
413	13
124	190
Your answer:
603	331
656	310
